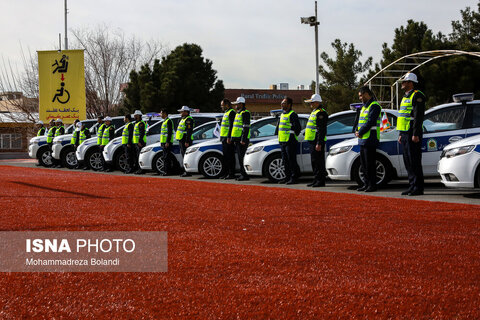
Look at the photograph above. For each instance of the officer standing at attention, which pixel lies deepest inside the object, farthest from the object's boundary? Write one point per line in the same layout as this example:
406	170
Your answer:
410	126
166	141
241	134
41	129
100	128
228	147
139	137
288	130
127	143
50	135
184	133
80	134
107	136
60	131
316	134
368	133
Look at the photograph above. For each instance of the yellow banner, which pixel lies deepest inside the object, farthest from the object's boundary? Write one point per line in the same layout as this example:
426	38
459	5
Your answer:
61	76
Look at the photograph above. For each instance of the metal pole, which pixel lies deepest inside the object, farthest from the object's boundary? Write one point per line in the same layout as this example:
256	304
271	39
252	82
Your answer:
59	42
316	49
66	38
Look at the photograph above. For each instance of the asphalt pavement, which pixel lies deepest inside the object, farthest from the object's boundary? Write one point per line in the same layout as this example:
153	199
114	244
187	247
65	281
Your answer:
434	189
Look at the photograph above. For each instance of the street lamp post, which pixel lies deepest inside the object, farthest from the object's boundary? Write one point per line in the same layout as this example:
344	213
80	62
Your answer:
313	22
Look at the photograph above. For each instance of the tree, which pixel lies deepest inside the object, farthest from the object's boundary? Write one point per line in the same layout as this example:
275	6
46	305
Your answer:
341	76
184	77
466	33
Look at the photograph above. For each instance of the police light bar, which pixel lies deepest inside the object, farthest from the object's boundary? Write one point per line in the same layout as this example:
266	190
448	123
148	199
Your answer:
462	97
195	110
275	112
355	106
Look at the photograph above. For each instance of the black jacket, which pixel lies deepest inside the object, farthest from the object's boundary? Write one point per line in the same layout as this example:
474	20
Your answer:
373	115
231	118
322	119
418	113
296	127
246	126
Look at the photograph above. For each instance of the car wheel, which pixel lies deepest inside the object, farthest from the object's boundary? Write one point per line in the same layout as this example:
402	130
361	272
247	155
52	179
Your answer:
273	168
94	159
45	157
69	160
383	168
211	165
121	162
158	164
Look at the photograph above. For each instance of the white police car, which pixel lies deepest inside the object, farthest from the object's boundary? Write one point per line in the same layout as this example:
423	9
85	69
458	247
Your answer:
63	150
114	153
38	148
442	124
265	159
151	156
207	157
459	164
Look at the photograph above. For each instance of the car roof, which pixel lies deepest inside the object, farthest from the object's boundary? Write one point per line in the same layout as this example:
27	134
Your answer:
451	104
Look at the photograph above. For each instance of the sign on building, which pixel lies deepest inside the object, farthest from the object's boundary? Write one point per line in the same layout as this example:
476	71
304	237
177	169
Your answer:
61	77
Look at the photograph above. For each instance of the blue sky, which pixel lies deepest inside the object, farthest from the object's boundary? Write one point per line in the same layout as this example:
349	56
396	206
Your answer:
252	44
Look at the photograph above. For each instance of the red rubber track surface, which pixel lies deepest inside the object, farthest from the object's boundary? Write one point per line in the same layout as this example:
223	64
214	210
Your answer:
246	252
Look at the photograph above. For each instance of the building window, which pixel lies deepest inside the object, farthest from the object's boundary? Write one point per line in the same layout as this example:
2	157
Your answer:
10	141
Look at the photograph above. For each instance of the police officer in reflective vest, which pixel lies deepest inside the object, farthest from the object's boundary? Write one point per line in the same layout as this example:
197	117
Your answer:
107	136
41	129
139	137
127	143
228	147
241	134
184	132
100	128
50	135
166	141
316	134
410	127
80	134
59	131
368	133
288	130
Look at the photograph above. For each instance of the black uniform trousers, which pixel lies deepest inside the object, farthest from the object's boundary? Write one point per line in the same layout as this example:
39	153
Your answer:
183	149
137	153
129	156
168	158
229	157
368	162
289	158
318	163
412	158
241	150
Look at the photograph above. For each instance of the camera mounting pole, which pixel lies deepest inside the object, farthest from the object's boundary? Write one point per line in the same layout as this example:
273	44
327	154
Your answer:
313	22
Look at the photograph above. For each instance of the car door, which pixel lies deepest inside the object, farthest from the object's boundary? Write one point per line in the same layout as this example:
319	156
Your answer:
339	128
263	129
441	127
472	120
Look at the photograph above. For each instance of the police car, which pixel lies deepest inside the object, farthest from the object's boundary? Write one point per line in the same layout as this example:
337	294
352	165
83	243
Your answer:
38	148
114	153
64	151
207	157
265	159
151	157
443	124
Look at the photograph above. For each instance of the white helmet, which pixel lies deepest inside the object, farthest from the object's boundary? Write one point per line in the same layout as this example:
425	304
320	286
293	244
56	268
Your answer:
410	77
315	98
138	113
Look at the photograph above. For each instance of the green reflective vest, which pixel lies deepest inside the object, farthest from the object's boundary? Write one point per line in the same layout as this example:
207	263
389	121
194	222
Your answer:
106	135
100	133
225	124
364	118
311	129
136	132
182	128
238	125
285	127
82	136
125	133
41	132
58	132
74	138
164	131
404	114
50	134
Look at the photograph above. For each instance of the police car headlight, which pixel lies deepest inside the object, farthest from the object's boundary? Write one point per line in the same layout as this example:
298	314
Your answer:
254	149
456	151
192	150
335	151
146	149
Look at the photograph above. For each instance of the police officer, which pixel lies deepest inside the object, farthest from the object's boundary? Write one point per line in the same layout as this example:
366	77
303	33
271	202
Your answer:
241	134
100	127
139	137
127	143
80	134
107	136
50	135
316	134
59	131
166	141
184	132
368	133
41	129
228	147
409	124
288	130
